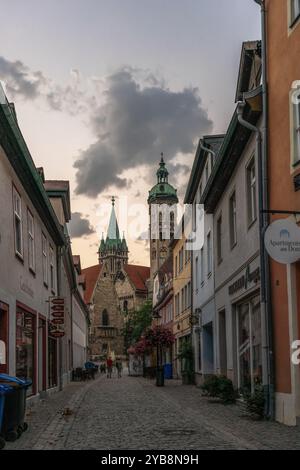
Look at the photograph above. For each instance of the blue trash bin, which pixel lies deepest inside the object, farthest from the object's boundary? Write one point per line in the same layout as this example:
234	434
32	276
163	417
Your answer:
14	424
4	391
168	371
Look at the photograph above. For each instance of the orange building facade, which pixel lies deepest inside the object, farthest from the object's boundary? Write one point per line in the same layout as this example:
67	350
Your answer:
283	72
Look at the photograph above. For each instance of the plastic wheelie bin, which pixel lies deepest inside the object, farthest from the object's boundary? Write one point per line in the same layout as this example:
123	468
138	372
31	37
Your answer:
4	391
14	407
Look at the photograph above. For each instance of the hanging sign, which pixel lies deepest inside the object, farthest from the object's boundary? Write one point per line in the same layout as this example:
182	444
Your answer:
282	241
57	317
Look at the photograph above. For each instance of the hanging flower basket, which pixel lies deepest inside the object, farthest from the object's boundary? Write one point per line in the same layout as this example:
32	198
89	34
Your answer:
159	336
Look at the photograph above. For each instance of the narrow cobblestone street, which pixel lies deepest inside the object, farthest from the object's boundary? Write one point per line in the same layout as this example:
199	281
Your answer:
131	413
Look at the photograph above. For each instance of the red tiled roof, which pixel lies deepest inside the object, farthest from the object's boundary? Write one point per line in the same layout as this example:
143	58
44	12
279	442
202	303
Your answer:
138	275
91	277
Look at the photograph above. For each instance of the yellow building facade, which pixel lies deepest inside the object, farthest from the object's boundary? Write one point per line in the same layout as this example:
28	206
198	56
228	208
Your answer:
182	307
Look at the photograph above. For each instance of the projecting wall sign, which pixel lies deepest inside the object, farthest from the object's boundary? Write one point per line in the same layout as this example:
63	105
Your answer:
57	317
282	241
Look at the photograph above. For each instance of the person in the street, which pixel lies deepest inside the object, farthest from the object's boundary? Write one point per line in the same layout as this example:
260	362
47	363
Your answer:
119	368
109	364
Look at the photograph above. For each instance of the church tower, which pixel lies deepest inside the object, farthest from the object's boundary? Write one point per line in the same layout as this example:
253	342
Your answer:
113	252
162	203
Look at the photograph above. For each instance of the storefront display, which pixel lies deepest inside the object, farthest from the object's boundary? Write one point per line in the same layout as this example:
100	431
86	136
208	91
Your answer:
25	346
249	344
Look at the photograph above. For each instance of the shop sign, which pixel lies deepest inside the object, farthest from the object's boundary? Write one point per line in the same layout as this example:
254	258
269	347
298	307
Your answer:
282	241
243	282
57	317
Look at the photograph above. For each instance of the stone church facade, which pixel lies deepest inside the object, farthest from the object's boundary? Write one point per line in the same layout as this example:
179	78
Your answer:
113	288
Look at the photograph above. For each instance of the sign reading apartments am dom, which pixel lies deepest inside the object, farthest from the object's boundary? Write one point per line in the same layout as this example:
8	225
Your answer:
282	241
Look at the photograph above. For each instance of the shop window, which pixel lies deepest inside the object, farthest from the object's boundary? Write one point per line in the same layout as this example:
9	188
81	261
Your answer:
25	347
249	345
3	338
52	362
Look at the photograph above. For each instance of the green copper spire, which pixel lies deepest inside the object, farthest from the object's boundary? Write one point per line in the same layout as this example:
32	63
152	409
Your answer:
113	228
163	191
162	172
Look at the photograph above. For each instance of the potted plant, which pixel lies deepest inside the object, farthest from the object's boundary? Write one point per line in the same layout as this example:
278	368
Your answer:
186	355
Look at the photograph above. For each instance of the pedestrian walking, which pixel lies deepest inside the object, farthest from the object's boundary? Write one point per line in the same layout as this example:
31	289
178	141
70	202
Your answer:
109	364
119	367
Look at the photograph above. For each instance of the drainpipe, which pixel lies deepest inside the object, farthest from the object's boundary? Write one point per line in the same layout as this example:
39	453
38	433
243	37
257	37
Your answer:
265	276
208	150
265	153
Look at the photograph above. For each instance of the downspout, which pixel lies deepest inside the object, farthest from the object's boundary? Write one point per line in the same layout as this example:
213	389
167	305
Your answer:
265	153
208	150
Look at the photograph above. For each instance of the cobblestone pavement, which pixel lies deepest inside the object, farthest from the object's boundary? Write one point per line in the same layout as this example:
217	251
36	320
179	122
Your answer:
131	413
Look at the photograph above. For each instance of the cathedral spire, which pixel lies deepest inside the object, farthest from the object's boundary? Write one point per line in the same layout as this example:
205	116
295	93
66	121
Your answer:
113	251
113	228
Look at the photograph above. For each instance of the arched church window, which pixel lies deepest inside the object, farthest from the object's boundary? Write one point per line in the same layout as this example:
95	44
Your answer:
125	305
105	318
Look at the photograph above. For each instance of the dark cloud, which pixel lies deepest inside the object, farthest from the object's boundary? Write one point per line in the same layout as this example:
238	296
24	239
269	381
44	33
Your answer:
20	80
23	83
133	126
79	226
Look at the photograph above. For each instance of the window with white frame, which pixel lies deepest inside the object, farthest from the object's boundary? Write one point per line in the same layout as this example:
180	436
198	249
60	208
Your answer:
45	259
232	220
17	205
209	254
31	246
219	239
52	268
251	192
295	11
202	266
296	127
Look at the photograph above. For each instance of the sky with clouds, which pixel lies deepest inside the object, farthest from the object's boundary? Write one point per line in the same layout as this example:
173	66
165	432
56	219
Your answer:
102	88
